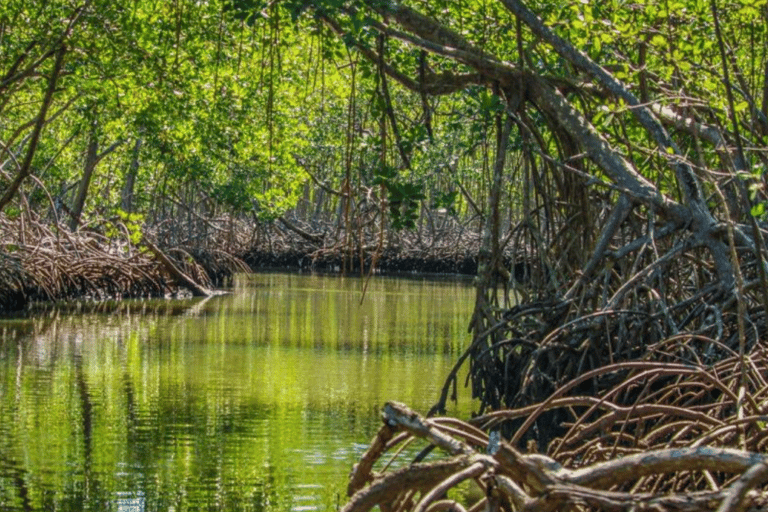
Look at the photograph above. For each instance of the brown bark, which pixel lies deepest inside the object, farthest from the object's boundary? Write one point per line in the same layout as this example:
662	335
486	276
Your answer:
126	196
91	155
315	239
92	159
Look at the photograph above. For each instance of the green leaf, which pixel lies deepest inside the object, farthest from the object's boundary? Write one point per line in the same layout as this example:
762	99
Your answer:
659	40
740	107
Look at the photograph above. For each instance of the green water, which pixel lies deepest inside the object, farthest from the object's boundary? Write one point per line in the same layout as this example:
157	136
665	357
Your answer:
260	400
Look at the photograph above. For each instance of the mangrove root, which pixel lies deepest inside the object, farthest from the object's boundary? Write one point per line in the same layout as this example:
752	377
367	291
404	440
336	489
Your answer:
512	480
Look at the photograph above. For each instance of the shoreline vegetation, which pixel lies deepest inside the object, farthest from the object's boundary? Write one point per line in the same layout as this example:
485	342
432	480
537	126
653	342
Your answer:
44	263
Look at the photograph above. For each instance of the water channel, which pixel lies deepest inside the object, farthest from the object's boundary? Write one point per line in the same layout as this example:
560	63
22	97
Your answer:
260	400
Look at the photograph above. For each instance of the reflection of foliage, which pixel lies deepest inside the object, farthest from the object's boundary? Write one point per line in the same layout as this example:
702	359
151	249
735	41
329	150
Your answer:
193	414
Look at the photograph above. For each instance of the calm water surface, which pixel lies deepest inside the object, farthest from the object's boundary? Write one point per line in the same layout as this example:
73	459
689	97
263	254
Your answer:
261	400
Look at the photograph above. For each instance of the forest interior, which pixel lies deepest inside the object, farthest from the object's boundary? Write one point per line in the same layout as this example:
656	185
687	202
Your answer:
599	165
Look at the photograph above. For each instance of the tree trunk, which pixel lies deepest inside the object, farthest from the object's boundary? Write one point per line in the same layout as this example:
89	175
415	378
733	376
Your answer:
180	277
92	159
26	166
90	164
126	200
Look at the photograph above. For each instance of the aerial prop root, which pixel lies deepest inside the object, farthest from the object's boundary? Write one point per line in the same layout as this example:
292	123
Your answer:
512	480
43	262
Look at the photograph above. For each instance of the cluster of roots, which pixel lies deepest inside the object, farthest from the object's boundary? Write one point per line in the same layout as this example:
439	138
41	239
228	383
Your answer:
672	473
668	430
44	261
643	386
440	244
40	262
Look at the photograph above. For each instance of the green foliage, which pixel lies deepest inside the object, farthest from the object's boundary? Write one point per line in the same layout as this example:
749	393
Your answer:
133	224
249	11
228	95
445	200
402	196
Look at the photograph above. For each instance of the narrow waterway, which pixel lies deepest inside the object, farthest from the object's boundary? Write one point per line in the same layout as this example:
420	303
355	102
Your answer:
260	400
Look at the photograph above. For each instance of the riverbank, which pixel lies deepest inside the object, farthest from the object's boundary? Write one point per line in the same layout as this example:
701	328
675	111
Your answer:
40	261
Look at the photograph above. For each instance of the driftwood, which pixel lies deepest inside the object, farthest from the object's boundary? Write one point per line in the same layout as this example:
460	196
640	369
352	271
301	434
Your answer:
512	480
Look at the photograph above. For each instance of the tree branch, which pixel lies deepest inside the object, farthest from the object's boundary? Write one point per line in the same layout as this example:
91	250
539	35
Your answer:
26	166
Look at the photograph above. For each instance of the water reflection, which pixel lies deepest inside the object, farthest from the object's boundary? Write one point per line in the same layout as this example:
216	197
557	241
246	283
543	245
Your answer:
260	400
